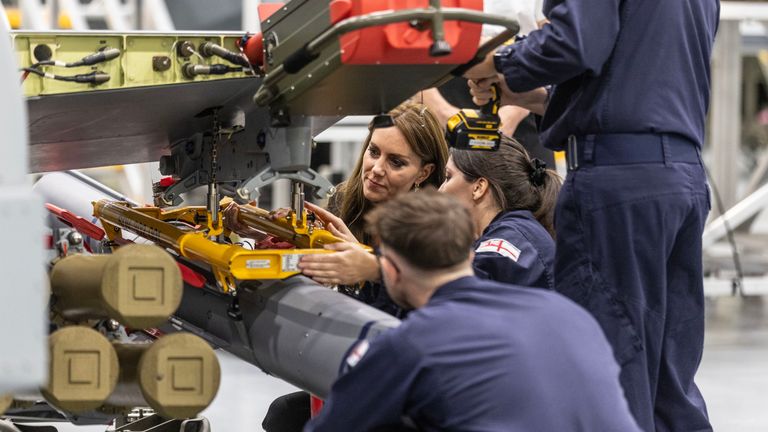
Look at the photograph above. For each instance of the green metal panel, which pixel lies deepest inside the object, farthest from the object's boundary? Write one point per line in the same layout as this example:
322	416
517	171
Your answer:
139	52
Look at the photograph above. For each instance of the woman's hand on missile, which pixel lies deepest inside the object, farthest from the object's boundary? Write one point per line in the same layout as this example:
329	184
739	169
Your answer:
348	265
332	223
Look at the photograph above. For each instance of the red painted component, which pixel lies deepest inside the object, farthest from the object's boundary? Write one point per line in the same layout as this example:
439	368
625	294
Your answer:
315	405
191	277
340	9
267	9
85	227
400	43
253	48
167	182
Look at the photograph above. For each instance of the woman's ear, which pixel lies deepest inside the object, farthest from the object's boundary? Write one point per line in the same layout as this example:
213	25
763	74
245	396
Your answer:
479	188
425	172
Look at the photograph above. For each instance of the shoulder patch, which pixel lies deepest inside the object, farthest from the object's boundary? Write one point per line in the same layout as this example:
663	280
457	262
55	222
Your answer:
357	353
501	247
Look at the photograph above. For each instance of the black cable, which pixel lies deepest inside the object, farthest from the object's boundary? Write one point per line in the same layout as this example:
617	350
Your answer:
738	283
208	49
35	71
91	59
94	77
192	70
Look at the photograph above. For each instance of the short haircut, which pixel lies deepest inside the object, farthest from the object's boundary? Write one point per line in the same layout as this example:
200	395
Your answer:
431	230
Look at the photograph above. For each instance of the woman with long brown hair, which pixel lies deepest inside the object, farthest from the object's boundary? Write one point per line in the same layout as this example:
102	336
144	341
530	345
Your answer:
511	198
404	150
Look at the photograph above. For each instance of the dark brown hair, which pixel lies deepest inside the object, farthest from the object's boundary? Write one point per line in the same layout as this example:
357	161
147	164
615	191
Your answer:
426	138
516	181
431	230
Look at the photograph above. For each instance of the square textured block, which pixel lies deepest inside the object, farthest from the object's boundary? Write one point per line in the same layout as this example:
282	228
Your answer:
186	374
147	284
83	368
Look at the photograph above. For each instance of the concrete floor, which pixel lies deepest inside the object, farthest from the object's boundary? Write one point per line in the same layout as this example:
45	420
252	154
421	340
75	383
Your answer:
733	376
734	372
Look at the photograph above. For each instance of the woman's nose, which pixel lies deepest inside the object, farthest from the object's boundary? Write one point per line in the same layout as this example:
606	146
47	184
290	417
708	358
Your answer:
379	167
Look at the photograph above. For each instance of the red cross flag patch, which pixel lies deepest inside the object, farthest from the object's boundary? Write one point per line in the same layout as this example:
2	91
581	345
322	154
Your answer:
357	353
501	247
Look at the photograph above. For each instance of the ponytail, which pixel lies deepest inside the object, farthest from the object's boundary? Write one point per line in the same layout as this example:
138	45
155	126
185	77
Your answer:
516	181
547	188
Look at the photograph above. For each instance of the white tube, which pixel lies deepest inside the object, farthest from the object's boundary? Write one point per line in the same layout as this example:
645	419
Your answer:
75	192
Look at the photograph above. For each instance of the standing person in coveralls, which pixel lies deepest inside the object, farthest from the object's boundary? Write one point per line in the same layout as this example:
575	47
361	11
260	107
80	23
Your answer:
475	354
628	99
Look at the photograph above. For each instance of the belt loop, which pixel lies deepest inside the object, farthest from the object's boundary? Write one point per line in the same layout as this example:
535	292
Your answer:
572	153
589	148
665	150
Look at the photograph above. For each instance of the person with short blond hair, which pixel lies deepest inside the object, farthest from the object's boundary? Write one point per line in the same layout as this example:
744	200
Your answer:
474	355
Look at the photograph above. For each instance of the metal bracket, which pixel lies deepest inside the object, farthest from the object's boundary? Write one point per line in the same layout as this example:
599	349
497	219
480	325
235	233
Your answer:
321	188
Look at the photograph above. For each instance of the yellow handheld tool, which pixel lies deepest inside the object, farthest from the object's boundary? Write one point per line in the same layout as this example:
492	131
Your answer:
471	129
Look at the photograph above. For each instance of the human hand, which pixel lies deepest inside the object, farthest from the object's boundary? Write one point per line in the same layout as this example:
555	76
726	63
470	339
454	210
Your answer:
279	213
332	223
482	90
484	69
535	100
348	265
232	223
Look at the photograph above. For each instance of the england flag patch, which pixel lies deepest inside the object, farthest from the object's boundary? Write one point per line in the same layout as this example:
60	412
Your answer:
357	353
501	247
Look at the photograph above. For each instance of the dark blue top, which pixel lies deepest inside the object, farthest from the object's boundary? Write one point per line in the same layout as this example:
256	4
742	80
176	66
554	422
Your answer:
374	294
619	66
483	356
516	249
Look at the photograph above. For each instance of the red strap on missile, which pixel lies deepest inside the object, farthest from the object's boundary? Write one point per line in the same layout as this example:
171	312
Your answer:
191	277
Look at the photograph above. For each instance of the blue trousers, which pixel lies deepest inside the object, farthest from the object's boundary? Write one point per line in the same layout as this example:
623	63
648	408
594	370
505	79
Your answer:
629	251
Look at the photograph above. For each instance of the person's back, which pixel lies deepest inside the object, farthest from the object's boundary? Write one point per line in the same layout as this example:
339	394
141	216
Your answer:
496	357
631	92
645	68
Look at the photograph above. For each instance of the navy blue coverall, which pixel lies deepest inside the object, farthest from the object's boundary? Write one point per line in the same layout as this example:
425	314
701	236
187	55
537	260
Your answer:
631	91
483	356
516	249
